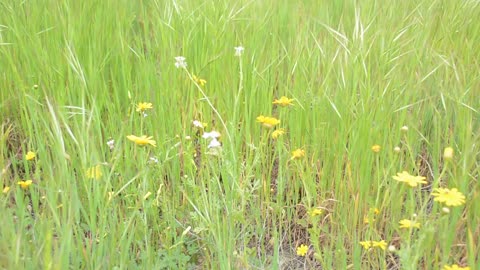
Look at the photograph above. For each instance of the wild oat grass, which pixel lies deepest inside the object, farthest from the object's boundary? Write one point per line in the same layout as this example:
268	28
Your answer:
208	134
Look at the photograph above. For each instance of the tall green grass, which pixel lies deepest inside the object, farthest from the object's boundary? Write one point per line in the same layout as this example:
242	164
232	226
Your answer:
72	73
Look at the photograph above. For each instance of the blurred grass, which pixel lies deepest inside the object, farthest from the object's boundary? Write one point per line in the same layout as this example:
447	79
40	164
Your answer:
72	73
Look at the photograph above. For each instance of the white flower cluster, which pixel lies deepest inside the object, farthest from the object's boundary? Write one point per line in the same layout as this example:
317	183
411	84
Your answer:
239	51
180	62
213	136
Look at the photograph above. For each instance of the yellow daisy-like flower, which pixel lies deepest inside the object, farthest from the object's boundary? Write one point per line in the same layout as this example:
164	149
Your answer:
381	244
94	172
25	184
411	180
142	140
277	133
298	154
199	81
408	224
30	155
302	250
455	267
376	148
6	189
315	212
451	197
283	101
366	244
143	106
372	244
268	122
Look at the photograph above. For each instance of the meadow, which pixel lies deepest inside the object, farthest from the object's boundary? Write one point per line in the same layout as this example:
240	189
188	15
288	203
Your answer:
216	134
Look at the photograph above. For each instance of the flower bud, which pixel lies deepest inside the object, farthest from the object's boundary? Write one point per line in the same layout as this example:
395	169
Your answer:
448	153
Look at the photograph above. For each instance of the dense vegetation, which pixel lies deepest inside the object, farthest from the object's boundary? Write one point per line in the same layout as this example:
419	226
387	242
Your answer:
207	134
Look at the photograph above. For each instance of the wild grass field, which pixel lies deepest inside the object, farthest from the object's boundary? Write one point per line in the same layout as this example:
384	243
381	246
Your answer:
215	134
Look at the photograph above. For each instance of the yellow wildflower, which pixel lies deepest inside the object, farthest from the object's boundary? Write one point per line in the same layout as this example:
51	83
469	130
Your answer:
315	212
408	224
376	148
283	101
366	244
381	244
372	212
302	250
448	153
268	122
94	172
143	106
297	154
30	155
277	133
199	81
372	244
455	267
25	184
6	189
451	197
142	140
411	180
366	220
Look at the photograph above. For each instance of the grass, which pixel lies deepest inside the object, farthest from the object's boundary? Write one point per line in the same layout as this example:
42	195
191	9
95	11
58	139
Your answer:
73	72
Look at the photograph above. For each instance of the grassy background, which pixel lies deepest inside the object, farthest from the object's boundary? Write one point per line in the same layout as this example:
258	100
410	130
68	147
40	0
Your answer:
72	72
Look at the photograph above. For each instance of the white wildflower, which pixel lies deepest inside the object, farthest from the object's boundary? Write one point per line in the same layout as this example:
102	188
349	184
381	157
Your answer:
239	51
111	144
180	62
197	124
211	135
214	143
